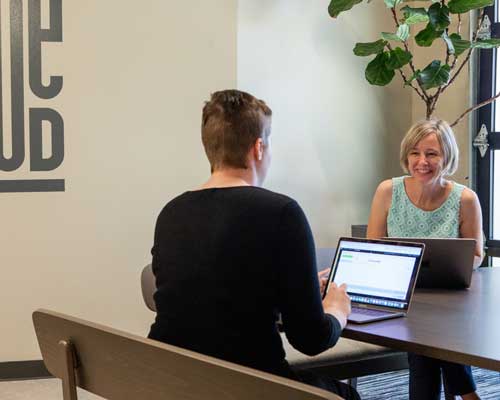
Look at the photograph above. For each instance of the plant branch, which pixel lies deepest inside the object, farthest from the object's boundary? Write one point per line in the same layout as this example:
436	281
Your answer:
395	17
469	53
405	79
475	108
435	99
423	94
459	24
480	22
447	59
465	61
454	62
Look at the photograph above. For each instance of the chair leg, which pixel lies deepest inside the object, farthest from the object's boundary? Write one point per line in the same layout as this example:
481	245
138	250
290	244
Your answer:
353	382
69	378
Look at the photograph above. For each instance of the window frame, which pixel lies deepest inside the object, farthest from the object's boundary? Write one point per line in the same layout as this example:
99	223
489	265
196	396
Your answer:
484	165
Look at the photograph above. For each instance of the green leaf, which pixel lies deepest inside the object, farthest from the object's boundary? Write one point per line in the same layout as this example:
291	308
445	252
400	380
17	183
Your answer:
390	36
439	16
486	44
463	6
426	36
397	58
367	49
401	34
337	6
434	75
412	78
392	3
376	71
414	15
459	44
449	43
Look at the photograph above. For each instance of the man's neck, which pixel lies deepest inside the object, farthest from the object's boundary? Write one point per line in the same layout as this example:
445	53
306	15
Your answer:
231	177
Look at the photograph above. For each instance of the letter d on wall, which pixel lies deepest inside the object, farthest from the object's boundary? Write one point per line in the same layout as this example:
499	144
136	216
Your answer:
37	162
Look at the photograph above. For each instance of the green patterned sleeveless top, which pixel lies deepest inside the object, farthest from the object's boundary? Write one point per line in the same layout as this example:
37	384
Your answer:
407	220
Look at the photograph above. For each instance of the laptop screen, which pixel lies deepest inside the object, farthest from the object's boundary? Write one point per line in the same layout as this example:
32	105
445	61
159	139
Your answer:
381	273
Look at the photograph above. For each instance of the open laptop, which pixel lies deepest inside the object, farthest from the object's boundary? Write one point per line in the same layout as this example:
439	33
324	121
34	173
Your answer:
380	276
447	263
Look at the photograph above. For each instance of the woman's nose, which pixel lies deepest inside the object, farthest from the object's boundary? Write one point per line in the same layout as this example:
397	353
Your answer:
422	158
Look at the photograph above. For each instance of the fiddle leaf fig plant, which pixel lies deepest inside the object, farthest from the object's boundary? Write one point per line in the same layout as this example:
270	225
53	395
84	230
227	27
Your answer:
424	26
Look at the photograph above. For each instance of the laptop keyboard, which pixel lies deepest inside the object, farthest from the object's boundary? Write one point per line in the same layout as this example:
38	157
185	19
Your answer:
366	311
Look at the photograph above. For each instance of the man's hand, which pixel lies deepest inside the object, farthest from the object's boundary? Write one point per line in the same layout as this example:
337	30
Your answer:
337	303
323	278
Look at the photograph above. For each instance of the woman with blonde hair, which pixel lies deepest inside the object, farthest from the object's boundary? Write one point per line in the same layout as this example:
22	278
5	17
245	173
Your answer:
426	204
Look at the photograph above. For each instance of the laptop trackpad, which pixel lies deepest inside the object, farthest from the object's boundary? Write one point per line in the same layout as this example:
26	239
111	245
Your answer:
363	315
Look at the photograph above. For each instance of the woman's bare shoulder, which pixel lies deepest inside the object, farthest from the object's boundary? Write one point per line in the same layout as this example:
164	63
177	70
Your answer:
469	197
384	189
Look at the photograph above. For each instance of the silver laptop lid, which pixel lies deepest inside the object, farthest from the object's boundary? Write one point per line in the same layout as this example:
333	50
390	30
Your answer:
446	263
378	273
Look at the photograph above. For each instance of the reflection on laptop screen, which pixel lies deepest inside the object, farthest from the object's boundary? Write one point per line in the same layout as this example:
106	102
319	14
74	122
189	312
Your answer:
377	273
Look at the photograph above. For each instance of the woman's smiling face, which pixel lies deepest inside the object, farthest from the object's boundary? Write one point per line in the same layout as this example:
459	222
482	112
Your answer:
425	160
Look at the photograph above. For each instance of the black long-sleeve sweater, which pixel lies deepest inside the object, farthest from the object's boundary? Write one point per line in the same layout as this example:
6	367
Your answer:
226	262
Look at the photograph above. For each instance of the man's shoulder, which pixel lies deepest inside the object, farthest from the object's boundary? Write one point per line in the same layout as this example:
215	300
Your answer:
251	197
270	196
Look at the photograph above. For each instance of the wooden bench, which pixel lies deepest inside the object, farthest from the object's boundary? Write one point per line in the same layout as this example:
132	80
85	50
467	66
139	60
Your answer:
117	365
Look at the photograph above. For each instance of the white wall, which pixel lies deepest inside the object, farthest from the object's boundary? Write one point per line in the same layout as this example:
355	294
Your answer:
135	78
335	137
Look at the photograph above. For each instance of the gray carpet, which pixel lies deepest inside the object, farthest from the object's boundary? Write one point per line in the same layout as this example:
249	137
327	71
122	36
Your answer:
394	385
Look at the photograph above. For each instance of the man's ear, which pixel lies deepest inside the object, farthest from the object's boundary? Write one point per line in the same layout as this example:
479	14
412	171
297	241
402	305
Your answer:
258	149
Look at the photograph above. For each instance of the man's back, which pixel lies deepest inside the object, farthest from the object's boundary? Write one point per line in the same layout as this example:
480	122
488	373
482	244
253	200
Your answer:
226	261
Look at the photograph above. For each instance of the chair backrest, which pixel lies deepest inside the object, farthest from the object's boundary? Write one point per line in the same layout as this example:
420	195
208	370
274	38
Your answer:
148	287
359	230
118	365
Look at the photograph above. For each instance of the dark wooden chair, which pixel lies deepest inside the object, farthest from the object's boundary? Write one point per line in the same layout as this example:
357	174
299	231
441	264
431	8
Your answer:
117	365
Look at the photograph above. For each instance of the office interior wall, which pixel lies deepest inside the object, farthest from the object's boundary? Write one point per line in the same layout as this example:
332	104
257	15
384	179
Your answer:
135	75
335	137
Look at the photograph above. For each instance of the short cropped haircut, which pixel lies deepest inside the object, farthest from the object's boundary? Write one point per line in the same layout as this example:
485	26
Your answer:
231	123
445	137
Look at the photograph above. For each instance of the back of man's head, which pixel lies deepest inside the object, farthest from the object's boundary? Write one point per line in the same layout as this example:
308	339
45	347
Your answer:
232	121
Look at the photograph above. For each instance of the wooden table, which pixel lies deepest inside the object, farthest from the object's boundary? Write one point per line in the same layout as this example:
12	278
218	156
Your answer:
462	326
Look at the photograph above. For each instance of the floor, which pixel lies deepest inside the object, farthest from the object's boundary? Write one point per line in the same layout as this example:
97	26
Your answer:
388	386
394	385
40	389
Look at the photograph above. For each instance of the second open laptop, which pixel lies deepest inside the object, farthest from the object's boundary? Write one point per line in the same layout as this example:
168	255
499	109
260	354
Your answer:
380	276
447	263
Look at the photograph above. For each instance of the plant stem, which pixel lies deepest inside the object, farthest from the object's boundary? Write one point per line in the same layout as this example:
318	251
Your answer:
491	99
435	99
485	102
405	79
469	53
423	94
